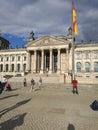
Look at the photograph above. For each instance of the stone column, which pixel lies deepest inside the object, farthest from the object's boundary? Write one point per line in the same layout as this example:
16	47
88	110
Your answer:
83	63
4	58
15	63
59	62
21	63
91	62
67	67
28	62
9	63
35	52
42	62
50	69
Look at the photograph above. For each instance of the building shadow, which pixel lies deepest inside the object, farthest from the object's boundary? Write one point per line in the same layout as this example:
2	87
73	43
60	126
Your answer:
70	127
13	122
14	106
9	96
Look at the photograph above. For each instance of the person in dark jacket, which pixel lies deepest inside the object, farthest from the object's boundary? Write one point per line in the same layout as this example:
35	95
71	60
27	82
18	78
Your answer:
1	87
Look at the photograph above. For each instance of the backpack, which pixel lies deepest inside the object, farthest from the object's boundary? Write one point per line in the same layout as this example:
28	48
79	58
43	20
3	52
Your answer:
94	105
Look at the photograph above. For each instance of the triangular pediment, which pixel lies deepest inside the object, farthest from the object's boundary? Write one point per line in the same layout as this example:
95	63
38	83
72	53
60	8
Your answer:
47	40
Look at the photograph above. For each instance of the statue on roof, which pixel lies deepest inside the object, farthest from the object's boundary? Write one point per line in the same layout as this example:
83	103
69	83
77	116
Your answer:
31	36
70	31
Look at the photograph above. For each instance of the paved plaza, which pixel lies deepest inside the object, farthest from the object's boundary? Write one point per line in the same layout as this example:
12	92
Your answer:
53	107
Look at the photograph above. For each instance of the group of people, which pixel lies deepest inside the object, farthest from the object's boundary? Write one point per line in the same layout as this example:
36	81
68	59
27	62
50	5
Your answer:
74	84
33	83
4	85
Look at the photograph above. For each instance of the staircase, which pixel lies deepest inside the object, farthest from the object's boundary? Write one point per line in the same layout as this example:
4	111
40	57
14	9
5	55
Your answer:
53	78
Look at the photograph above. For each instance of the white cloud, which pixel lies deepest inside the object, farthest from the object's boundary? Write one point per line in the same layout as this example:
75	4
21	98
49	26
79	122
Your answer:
46	16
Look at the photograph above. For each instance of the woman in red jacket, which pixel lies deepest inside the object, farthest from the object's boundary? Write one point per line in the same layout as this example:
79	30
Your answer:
75	88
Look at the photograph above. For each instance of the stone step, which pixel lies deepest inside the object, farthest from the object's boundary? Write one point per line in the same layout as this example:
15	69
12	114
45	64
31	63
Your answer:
45	78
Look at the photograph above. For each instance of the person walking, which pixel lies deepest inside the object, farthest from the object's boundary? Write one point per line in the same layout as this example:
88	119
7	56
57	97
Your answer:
25	82
40	82
75	84
32	84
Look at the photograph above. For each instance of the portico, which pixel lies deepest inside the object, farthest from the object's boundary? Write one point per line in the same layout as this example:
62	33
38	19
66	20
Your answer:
47	60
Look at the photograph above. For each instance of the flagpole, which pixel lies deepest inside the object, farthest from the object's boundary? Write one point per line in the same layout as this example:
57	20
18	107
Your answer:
73	40
74	32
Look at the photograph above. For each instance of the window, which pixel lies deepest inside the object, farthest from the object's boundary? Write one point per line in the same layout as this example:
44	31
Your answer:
18	58
7	58
13	58
78	66
18	67
1	67
87	67
78	56
87	56
12	67
24	67
24	58
1	58
7	67
95	66
95	56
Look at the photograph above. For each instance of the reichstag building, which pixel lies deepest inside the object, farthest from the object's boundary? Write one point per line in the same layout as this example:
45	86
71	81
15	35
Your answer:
52	55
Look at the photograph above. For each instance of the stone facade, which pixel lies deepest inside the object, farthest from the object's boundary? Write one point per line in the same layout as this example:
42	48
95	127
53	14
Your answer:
52	55
4	44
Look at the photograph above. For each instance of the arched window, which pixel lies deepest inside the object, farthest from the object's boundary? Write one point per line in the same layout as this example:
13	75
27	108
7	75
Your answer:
24	67
12	67
78	66
18	67
7	67
87	67
1	67
95	66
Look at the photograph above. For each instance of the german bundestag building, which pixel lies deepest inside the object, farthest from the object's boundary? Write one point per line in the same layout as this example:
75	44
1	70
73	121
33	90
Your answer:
50	57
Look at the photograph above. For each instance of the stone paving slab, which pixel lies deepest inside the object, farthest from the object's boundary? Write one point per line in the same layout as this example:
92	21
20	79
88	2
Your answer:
53	107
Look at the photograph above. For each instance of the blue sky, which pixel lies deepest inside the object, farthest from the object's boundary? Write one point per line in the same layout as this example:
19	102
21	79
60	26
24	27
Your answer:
19	17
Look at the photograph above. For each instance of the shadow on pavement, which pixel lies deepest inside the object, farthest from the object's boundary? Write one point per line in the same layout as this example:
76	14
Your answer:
70	127
9	96
13	107
13	122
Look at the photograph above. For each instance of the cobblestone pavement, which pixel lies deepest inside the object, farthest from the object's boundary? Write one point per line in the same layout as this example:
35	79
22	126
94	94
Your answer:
53	107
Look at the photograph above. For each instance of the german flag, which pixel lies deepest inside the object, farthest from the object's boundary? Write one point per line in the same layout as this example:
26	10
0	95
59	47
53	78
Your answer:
74	20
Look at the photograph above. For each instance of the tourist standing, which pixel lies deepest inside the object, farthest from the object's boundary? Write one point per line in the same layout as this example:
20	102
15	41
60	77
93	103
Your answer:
4	81
75	86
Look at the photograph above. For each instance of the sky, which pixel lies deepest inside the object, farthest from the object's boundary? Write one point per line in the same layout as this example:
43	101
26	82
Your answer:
53	17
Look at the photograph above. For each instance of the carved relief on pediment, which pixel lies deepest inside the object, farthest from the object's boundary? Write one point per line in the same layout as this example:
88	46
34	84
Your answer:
46	41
